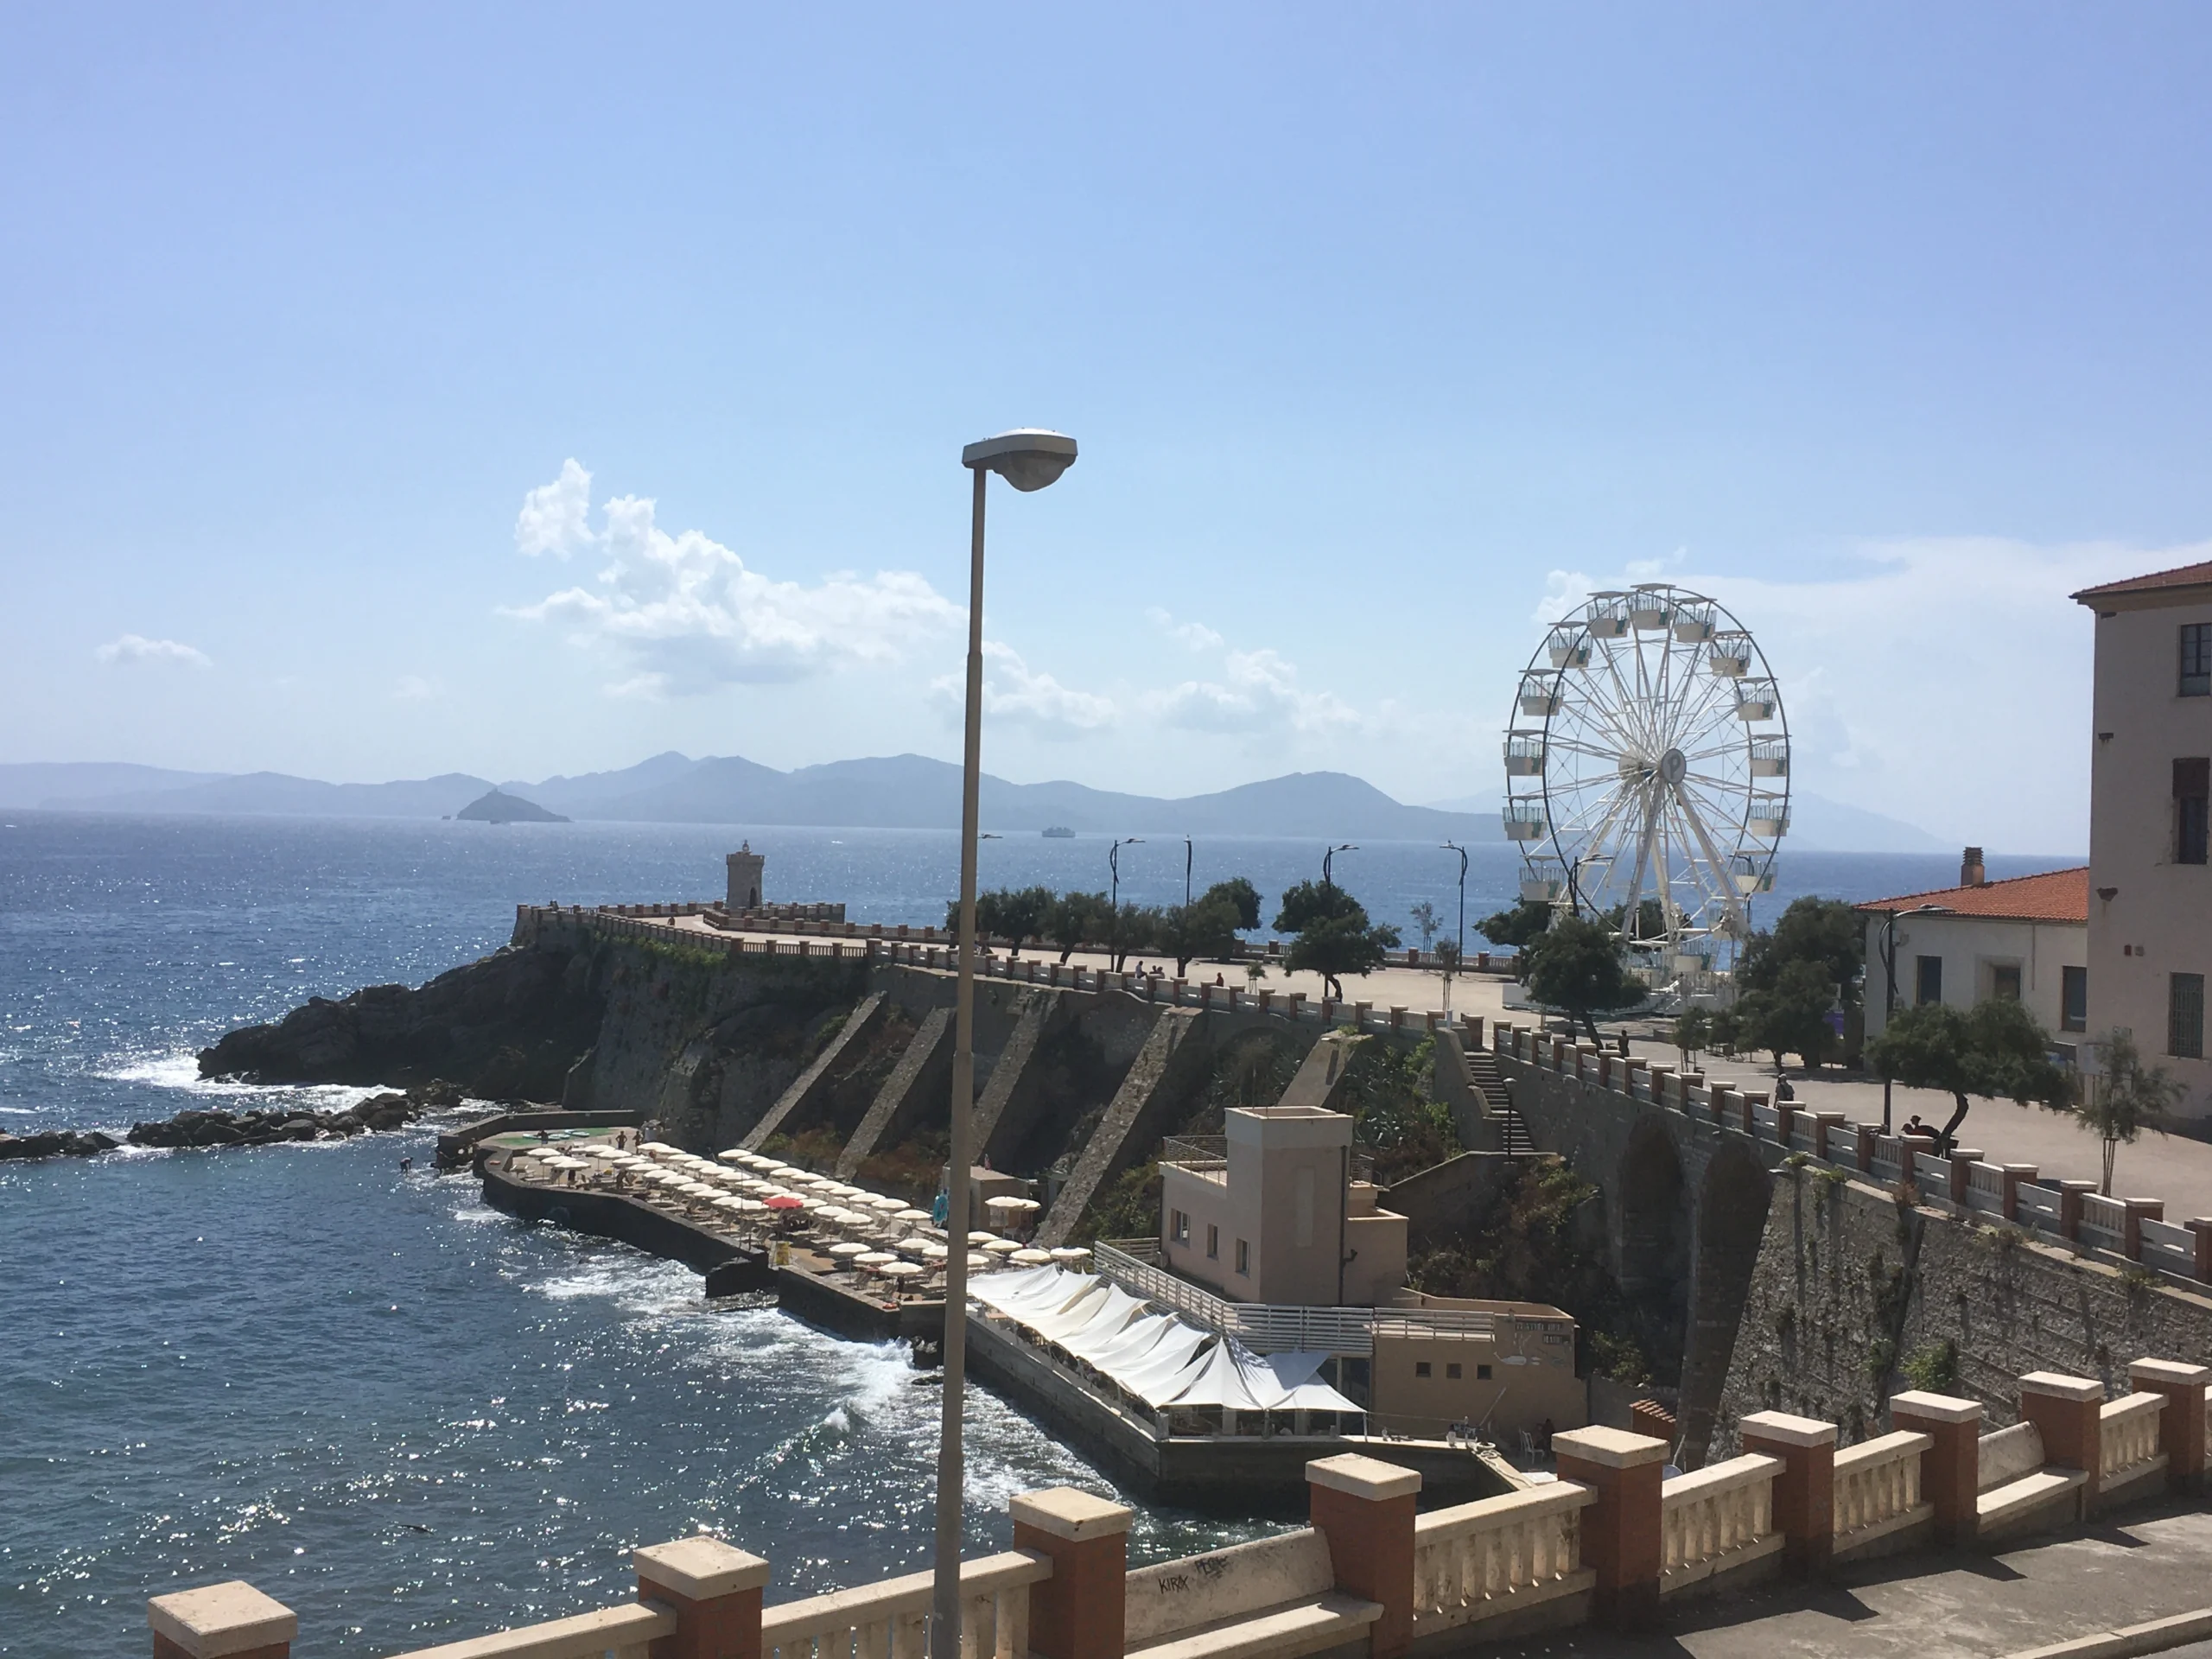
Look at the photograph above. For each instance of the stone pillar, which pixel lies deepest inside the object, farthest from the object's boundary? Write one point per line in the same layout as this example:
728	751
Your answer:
1620	1531
2200	1229
1951	1469
1077	1612
2181	1424
2015	1175
1397	1018
1804	1493
1364	1507
1961	1182
221	1621
1472	1025
713	1589
2138	1211
2069	1207
2066	1411
1868	1135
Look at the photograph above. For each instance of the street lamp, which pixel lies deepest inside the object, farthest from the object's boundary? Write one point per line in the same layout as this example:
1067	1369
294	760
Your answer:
1186	874
1329	855
1459	953
1114	899
1028	459
1890	980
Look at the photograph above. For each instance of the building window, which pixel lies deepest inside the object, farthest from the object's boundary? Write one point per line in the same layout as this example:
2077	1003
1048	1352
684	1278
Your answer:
2196	660
2074	999
2192	785
1928	980
1213	1242
1420	1368
2004	981
1452	1371
1180	1227
1243	1257
1482	1373
2185	1016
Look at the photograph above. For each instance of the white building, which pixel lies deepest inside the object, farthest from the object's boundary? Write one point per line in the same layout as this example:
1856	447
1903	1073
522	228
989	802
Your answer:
2026	938
2151	920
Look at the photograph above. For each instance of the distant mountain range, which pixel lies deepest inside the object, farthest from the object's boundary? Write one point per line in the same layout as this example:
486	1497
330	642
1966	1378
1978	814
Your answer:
906	791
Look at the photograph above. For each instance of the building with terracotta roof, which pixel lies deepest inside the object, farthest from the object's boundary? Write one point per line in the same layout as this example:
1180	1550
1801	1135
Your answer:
2026	938
2150	820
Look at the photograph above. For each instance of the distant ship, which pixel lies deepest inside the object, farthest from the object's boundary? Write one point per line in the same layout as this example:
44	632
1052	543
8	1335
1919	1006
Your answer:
1059	832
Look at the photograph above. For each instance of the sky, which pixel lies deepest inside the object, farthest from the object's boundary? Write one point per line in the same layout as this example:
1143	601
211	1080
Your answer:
398	390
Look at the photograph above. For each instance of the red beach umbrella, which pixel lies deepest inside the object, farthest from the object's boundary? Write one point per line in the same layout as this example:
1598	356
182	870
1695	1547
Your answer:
785	1201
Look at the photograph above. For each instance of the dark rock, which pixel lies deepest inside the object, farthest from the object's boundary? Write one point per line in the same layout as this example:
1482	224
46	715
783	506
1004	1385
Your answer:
51	1143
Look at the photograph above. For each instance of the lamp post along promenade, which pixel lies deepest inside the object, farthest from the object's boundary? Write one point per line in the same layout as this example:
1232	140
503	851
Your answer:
1028	459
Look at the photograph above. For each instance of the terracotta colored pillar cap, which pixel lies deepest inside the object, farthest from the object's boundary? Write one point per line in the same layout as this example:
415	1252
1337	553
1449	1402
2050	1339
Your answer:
1610	1448
1936	1407
221	1618
1785	1430
700	1569
2169	1371
1362	1476
1069	1512
2057	1386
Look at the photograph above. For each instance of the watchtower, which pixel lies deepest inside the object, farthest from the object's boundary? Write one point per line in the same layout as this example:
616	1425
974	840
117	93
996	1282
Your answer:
745	878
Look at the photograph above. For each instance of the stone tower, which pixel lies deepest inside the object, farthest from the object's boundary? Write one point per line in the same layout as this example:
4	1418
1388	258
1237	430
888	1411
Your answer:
745	879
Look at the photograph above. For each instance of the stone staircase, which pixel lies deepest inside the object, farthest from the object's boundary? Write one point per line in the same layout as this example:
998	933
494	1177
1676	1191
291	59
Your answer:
1512	1131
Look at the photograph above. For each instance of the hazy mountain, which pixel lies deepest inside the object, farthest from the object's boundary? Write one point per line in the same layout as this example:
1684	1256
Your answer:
36	783
1817	824
893	792
275	794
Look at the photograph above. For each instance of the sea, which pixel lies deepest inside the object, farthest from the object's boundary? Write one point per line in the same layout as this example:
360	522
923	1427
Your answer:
346	1380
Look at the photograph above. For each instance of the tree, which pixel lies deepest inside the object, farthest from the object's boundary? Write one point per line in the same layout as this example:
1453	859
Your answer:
2128	1093
1826	931
1016	914
1995	1050
1693	1030
1790	1015
1134	929
1333	936
1514	928
1076	919
1425	923
1208	925
1575	965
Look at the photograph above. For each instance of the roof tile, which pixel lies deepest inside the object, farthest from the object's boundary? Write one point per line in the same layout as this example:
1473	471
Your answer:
2054	896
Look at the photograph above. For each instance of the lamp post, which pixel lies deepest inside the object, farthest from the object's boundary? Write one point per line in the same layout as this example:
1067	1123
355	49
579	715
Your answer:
1187	856
1028	459
1459	952
1890	981
1114	899
1329	856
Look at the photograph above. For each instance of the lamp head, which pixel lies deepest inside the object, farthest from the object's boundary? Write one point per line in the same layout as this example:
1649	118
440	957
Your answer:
1028	457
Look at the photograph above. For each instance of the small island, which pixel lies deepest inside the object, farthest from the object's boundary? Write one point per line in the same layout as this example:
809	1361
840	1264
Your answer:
1059	832
499	807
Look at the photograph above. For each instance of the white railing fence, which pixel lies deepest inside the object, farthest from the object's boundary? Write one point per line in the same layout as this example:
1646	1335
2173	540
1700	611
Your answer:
626	1632
2128	1432
1714	1514
1478	1559
891	1620
1876	1482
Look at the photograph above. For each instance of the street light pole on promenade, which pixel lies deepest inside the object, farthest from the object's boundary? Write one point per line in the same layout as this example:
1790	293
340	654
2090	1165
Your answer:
1114	899
1459	956
1028	459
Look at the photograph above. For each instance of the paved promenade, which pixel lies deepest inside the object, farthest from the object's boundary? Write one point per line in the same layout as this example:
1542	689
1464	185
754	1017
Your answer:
1976	1607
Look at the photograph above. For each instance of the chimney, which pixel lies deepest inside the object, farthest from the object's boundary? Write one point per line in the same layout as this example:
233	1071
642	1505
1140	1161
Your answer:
1971	873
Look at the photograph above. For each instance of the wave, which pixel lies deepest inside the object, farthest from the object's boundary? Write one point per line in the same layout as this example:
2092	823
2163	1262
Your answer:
178	1070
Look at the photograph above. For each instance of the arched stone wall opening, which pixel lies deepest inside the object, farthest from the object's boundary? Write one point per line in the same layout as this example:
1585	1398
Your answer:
1651	1243
1731	1224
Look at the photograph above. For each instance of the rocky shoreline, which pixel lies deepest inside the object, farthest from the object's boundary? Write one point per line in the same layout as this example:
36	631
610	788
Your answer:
196	1126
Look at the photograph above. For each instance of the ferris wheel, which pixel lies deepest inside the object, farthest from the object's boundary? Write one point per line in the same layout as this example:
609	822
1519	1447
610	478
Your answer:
1647	770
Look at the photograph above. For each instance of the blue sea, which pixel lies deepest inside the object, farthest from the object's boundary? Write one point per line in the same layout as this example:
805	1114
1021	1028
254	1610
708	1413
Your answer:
402	1414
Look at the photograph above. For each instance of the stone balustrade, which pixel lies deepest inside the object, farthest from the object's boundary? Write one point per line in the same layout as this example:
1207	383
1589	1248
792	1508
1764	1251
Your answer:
1716	1520
2127	1436
1499	1555
891	1620
1877	1490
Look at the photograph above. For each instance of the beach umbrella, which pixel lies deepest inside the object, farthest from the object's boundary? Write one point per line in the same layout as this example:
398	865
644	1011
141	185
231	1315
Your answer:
1067	1253
848	1248
1005	1201
889	1206
1002	1247
904	1270
1031	1258
979	1264
876	1259
733	1156
981	1238
786	1201
911	1216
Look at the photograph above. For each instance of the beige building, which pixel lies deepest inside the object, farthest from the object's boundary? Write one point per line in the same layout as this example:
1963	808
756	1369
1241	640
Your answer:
1278	1218
2026	938
1425	1379
2150	886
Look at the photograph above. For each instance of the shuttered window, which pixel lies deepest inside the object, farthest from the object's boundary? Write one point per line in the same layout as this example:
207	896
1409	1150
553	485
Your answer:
2185	1016
2192	810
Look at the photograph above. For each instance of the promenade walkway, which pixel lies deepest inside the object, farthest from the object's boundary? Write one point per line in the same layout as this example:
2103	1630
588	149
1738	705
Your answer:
1975	1607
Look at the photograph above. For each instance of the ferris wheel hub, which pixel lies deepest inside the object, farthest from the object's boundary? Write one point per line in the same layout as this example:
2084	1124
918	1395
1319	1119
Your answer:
1673	766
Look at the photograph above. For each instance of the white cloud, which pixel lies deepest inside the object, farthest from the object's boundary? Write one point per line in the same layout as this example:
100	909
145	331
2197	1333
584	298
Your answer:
136	648
1943	681
1014	692
1257	693
686	615
1191	636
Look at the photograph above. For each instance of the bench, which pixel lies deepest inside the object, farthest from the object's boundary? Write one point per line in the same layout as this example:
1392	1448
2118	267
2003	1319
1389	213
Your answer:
1276	1597
2014	1492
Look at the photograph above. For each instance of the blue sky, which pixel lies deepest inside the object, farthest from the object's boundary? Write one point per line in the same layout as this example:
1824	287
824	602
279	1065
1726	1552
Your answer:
1380	327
